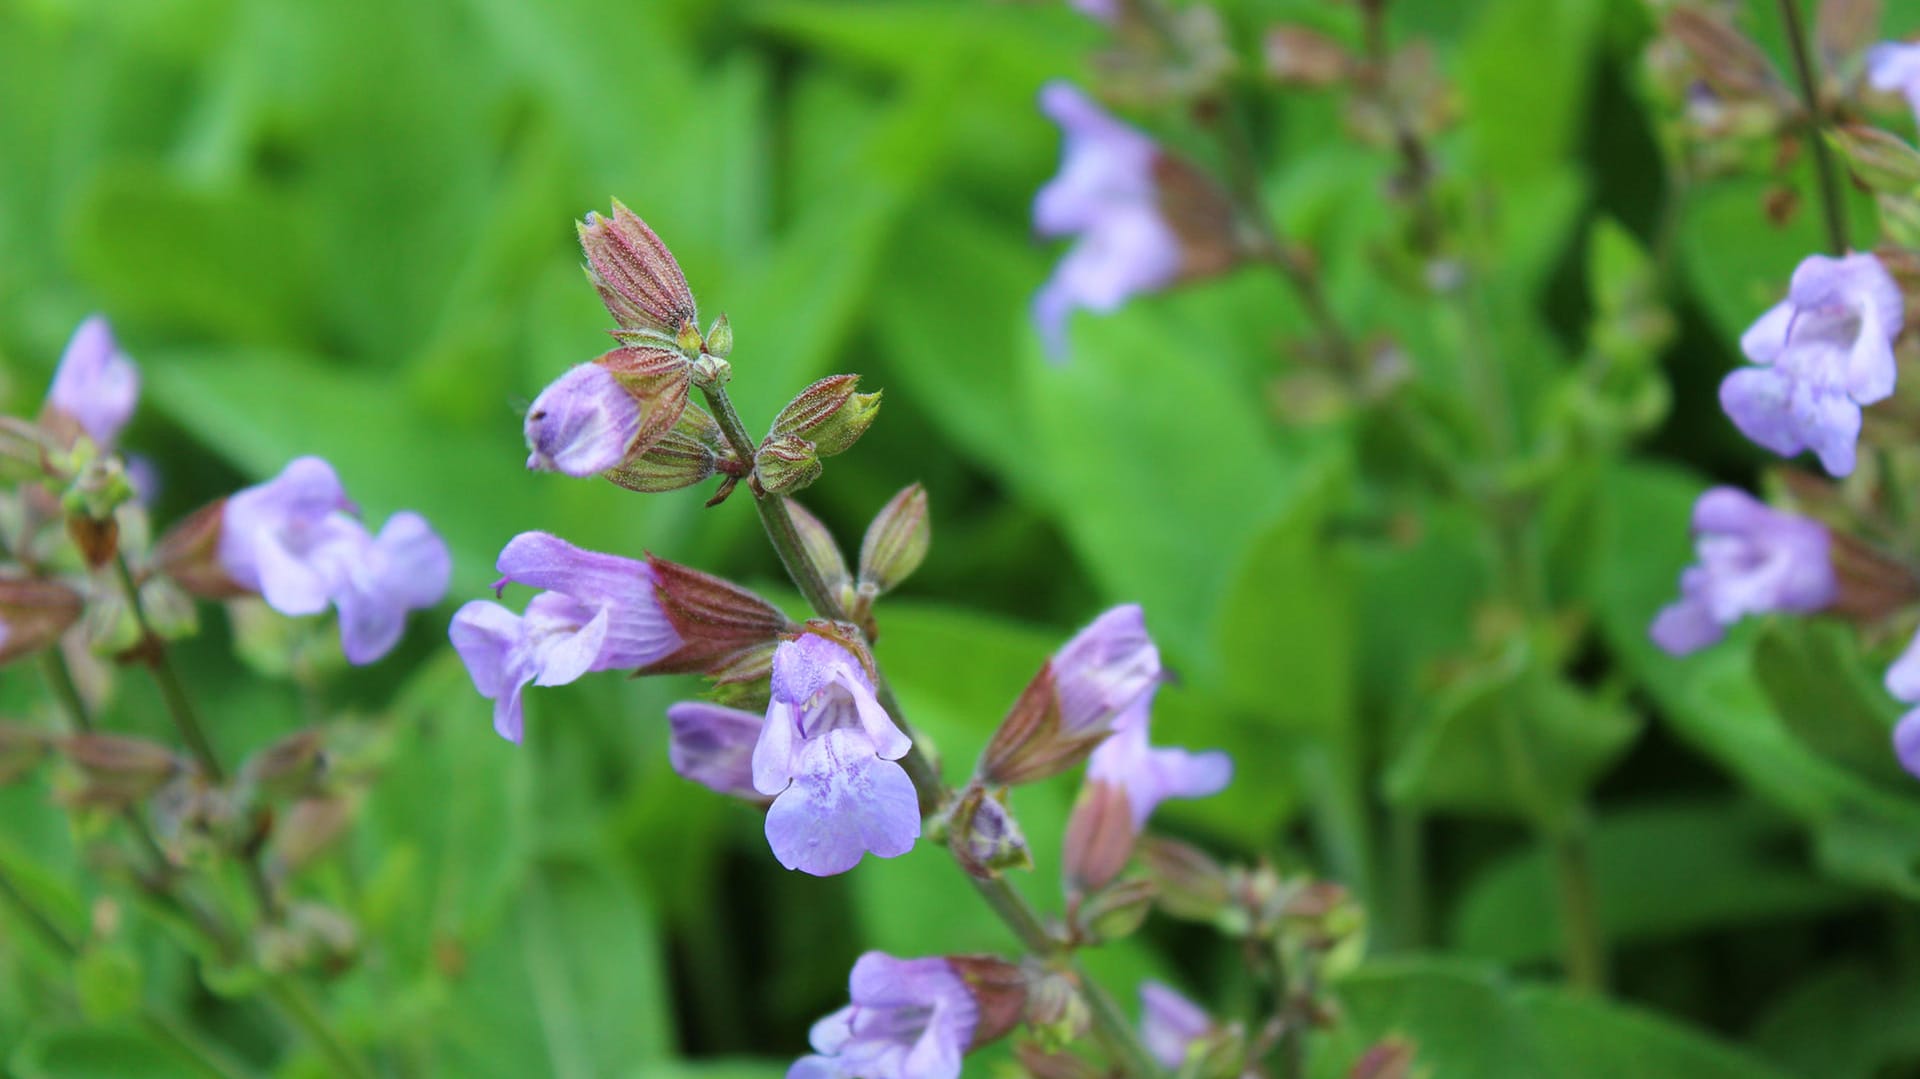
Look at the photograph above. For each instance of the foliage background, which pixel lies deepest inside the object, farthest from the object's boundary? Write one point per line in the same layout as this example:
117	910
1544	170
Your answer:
343	229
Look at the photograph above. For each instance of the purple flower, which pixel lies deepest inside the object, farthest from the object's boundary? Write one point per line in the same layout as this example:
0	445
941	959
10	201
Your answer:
1821	353
827	752
1106	195
1903	681
597	612
1105	670
582	424
95	384
713	746
1752	560
909	1019
1169	1023
1150	775
293	539
1107	11
1895	67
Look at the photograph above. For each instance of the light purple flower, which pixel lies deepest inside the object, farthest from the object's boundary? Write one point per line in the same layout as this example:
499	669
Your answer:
1169	1023
1903	681
598	612
1820	354
713	745
1753	559
294	540
1106	195
828	751
1894	66
1105	669
582	424
1150	775
909	1019
1107	11
96	383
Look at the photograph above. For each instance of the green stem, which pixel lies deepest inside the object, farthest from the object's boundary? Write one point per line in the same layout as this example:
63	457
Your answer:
1407	841
1573	873
1110	1023
53	665
179	707
1835	211
294	1002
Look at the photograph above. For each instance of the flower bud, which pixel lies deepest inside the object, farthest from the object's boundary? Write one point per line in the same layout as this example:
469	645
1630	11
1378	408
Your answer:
311	935
821	550
1071	706
98	538
189	554
897	540
1114	912
1727	59
288	766
1100	837
720	337
33	615
118	770
635	274
1191	884
21	747
602	414
718	622
999	991
1883	162
311	827
691	452
985	837
1056	1012
786	464
829	413
1297	56
1391	1058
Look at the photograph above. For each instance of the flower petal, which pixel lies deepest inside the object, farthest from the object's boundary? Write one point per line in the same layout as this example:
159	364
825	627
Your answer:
845	802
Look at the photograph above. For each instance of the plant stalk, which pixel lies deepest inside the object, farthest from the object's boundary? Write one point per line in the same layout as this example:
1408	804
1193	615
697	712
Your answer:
1834	210
179	707
1111	1026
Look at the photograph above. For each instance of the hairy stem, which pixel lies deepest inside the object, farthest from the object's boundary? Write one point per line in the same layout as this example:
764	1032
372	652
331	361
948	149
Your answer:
1834	210
179	707
1111	1026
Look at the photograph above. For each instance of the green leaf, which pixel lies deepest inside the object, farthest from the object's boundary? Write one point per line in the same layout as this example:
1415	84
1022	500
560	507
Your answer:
1661	871
1468	1020
107	980
96	1054
1845	1022
1524	74
1814	676
1512	739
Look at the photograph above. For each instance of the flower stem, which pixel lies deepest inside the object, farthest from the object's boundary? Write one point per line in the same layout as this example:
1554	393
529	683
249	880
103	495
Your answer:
294	1001
1834	209
179	707
1111	1026
53	665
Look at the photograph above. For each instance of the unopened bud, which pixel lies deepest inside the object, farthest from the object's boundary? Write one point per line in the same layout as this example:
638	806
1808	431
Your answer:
821	550
693	451
1844	27
689	341
785	464
98	538
1727	59
1389	1059
310	936
21	747
1114	912
1193	886
1297	56
1100	836
288	766
999	990
1056	1013
311	827
33	615
635	274
1883	162
830	413
897	540
720	337
985	837
119	770
717	621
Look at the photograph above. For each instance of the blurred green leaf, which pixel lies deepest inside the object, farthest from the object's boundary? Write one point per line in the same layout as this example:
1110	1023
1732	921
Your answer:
1814	677
97	1054
1468	1020
1661	871
1845	1022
